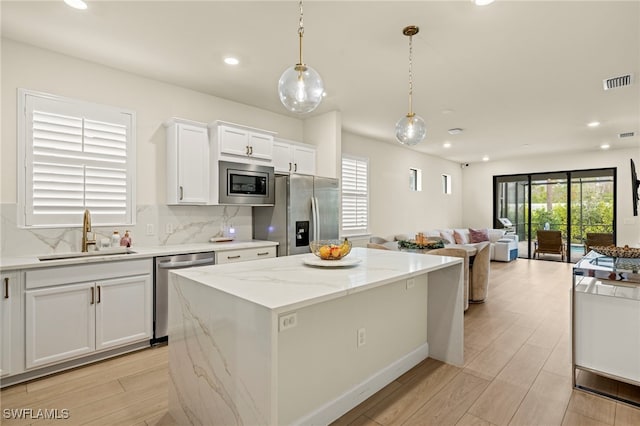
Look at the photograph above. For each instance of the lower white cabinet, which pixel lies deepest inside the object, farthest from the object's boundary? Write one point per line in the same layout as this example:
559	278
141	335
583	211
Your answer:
243	255
9	309
60	323
122	311
65	321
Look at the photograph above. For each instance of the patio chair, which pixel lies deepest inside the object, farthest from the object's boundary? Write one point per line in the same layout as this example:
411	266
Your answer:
549	242
597	239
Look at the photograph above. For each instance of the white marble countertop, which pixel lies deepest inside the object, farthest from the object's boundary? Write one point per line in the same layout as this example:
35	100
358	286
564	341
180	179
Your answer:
286	283
29	262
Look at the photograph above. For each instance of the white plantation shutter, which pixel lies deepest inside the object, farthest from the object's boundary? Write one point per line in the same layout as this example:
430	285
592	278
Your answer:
355	195
77	156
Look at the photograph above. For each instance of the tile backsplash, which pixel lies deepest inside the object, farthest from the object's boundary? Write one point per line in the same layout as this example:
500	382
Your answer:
168	224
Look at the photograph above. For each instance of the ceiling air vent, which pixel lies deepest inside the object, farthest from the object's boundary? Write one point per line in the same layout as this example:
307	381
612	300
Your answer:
626	135
612	83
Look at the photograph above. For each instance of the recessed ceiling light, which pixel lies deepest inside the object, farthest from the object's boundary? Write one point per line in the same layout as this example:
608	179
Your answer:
593	124
485	158
447	144
230	60
605	146
482	2
76	4
455	131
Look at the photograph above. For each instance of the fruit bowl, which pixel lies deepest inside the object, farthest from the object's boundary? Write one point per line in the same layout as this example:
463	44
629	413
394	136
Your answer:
330	249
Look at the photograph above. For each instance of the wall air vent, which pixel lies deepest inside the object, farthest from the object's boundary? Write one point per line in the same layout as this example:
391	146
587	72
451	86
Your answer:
626	135
621	81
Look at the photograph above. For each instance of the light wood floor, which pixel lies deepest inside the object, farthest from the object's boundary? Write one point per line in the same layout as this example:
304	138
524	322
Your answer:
517	371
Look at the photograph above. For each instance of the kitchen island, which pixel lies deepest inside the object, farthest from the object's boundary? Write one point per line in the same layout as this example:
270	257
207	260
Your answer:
277	341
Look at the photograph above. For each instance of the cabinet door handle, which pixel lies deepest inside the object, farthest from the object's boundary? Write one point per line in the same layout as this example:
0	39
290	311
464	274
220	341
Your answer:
181	192
99	294
6	287
289	165
264	253
295	167
233	257
247	151
93	296
250	150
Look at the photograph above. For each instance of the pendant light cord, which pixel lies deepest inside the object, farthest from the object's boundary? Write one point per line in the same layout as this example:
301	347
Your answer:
301	31
410	75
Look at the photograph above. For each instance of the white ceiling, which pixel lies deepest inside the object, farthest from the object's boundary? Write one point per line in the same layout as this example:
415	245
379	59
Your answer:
520	77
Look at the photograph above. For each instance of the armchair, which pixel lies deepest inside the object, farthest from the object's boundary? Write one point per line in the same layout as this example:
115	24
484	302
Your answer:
479	282
458	252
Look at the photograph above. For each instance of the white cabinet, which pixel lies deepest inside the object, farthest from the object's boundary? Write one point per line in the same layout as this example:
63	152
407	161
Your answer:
242	144
9	313
187	162
243	255
123	310
605	323
294	158
77	310
60	323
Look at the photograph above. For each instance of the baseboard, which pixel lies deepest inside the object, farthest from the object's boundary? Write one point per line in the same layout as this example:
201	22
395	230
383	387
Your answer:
350	399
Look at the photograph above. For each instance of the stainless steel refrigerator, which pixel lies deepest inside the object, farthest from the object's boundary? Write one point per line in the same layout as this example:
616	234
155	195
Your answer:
306	209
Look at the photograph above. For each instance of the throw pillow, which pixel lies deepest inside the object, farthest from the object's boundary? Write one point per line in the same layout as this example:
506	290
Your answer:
461	236
448	236
478	235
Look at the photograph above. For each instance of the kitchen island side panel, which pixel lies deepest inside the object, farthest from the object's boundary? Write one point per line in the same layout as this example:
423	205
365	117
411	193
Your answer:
340	344
220	357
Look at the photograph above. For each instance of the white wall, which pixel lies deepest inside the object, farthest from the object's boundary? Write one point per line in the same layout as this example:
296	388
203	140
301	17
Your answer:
477	183
393	207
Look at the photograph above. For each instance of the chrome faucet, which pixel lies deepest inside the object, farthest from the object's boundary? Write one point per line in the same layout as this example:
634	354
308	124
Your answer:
86	228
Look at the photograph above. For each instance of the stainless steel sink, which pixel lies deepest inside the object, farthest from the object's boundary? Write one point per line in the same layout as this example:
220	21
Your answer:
103	252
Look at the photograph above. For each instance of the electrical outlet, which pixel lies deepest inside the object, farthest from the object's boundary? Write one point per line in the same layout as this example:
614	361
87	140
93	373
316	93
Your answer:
150	229
287	321
362	337
168	228
411	282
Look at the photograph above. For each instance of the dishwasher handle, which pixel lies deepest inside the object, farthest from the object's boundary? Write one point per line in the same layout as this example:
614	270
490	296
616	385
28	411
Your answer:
168	265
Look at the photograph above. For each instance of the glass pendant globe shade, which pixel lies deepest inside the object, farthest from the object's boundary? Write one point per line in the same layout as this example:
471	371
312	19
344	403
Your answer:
411	130
300	89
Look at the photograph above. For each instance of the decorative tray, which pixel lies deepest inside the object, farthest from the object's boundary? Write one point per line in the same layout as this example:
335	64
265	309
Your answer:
427	245
612	251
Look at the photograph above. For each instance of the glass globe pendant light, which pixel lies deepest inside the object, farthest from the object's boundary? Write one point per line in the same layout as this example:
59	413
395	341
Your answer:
300	86
410	129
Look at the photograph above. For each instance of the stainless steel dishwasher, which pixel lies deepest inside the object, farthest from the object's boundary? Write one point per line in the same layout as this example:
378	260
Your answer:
161	287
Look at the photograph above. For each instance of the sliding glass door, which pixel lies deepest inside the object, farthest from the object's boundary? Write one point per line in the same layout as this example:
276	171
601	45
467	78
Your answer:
592	207
576	203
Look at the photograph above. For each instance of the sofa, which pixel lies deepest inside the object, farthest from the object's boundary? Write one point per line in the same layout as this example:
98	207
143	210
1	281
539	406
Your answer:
502	247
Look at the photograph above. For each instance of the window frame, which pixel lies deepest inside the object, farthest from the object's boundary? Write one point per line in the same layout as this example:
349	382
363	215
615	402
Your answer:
360	230
25	154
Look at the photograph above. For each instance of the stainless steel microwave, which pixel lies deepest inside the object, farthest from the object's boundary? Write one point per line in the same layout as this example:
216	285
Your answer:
241	183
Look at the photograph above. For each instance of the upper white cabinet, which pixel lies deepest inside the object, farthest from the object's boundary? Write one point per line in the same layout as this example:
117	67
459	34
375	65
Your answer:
77	310
187	162
242	144
294	157
9	326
